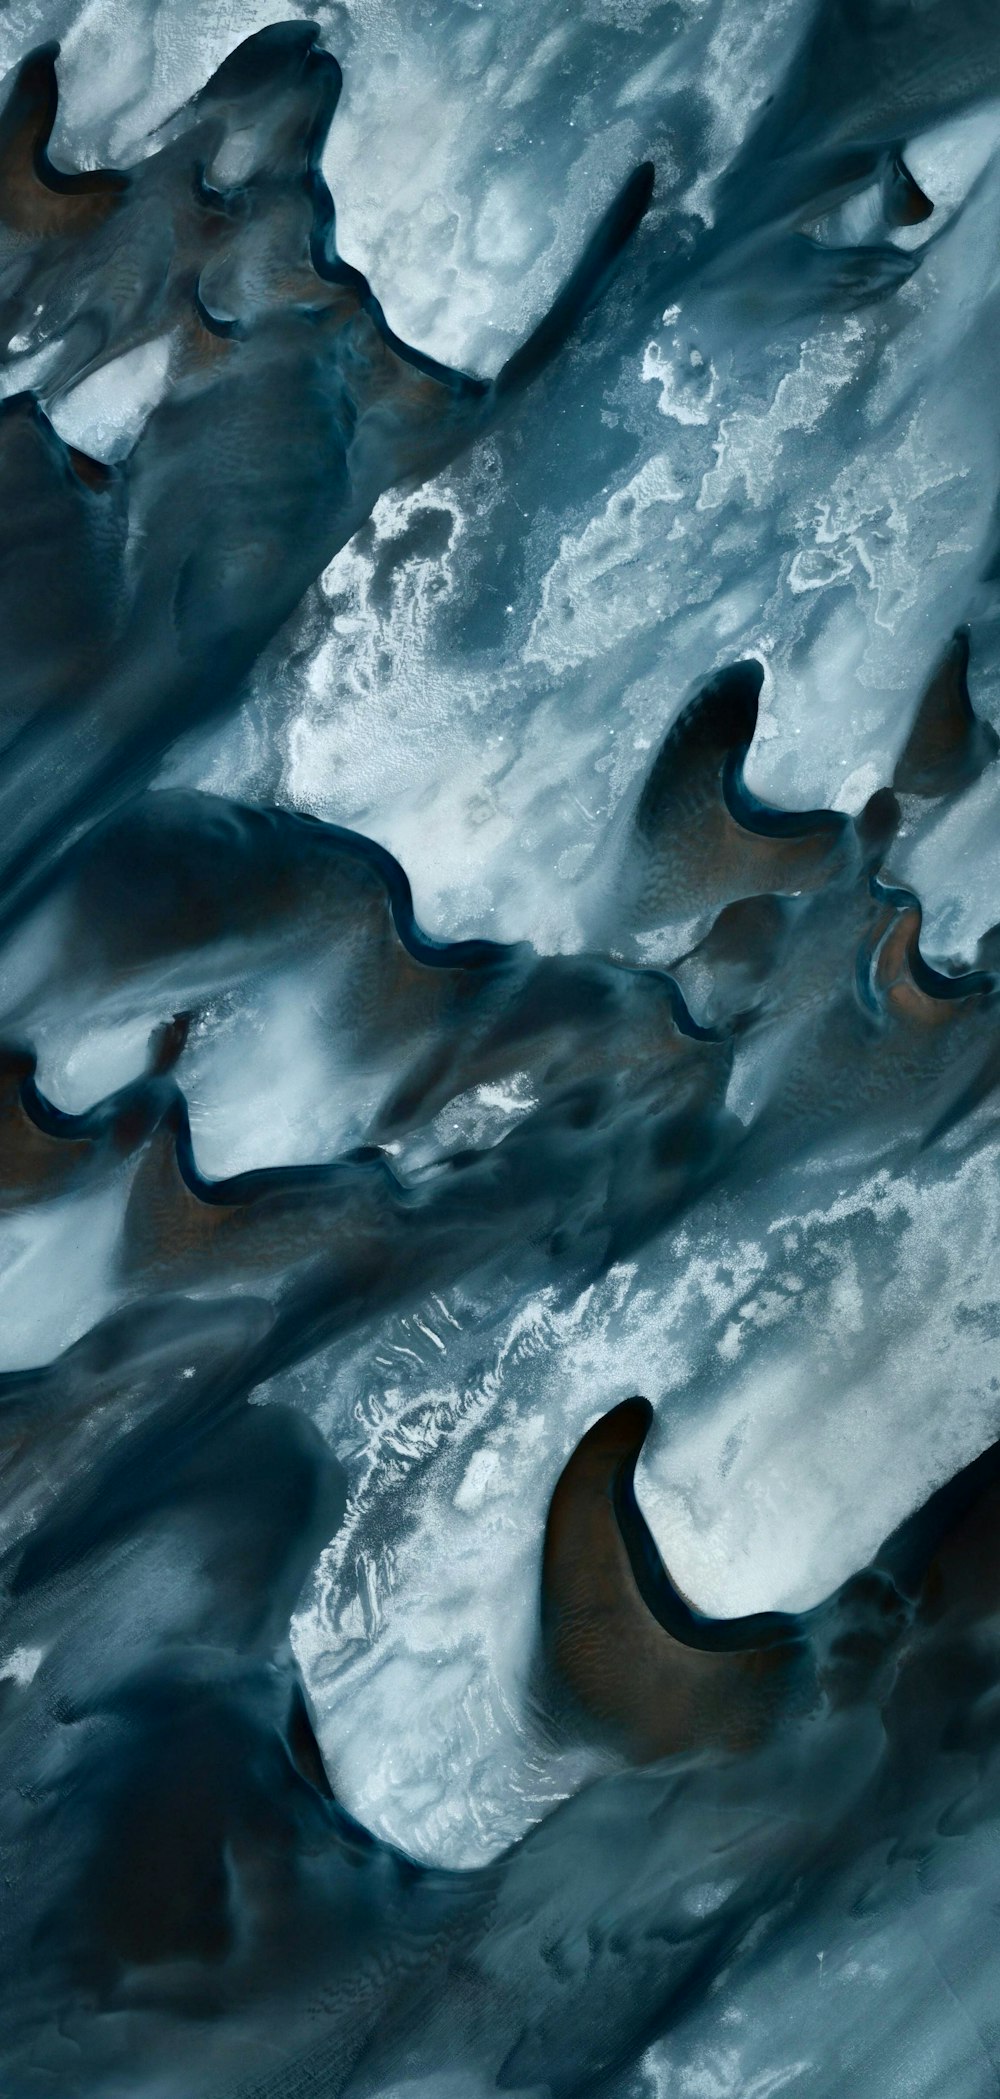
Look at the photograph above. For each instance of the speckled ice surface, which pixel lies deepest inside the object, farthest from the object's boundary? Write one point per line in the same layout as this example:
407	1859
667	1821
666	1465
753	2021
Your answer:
773	437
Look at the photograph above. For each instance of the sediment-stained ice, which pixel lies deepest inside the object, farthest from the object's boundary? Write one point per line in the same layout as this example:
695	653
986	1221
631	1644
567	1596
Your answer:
499	1045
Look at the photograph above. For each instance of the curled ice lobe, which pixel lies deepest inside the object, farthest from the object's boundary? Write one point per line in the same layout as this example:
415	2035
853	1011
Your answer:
499	1050
290	407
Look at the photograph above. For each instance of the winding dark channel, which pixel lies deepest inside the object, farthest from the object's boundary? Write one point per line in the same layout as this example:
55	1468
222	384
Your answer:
190	1906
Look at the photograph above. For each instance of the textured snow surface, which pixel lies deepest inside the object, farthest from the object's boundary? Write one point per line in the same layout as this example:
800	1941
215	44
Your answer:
777	438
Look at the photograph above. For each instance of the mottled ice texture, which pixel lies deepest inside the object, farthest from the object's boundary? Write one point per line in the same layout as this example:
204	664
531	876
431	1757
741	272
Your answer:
460	968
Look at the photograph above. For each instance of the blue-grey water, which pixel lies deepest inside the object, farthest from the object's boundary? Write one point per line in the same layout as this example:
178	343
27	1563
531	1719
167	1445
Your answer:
499	899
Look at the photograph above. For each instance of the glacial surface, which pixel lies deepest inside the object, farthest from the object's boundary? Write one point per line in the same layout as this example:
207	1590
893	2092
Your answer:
499	889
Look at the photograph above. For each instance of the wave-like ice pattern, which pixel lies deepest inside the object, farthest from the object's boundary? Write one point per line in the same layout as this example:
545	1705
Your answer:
498	917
